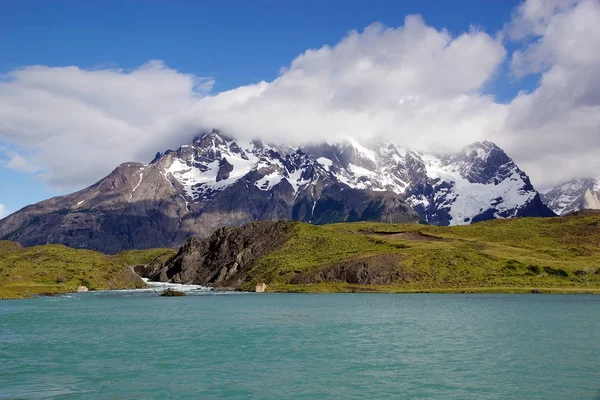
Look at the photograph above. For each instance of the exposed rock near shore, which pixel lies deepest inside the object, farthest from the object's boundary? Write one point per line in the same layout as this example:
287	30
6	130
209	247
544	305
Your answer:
172	293
223	259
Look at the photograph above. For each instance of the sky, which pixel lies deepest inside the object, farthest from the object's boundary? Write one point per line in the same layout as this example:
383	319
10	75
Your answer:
85	86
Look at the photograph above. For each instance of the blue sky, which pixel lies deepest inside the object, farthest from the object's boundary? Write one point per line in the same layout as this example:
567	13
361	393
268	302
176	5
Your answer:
235	42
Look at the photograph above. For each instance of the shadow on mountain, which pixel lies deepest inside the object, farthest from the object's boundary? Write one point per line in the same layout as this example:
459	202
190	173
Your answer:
138	225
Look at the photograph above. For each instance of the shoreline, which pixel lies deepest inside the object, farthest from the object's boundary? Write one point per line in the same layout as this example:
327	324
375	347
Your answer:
340	290
473	290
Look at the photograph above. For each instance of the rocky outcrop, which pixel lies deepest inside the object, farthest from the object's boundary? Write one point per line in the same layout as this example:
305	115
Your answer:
224	170
172	293
222	260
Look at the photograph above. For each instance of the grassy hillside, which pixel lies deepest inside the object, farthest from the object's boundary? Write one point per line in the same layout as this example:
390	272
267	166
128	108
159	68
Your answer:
59	269
516	255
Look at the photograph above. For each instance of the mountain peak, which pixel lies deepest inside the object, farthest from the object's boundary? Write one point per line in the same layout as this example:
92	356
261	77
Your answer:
481	149
213	139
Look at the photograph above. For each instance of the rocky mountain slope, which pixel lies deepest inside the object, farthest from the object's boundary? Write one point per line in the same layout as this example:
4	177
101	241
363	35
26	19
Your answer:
575	195
217	181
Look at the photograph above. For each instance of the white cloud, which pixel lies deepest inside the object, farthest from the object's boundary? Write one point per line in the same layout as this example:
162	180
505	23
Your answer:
3	211
19	163
532	17
414	84
409	84
82	123
555	129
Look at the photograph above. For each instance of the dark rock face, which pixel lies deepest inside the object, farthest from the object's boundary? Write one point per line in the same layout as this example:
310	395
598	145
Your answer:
224	170
109	216
493	168
223	259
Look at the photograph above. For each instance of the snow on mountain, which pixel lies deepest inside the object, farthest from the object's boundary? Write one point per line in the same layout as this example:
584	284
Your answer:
214	163
573	196
481	182
216	181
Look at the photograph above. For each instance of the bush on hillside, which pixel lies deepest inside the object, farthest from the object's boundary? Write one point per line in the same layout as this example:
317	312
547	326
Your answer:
556	271
534	269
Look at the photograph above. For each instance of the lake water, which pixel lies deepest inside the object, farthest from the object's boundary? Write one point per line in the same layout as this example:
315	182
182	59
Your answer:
122	345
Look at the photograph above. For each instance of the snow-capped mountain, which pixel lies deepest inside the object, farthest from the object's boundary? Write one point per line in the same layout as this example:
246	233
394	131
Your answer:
216	181
481	182
211	183
575	195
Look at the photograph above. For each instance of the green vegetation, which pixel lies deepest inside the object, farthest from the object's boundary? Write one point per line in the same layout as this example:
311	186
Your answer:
137	257
58	269
527	255
516	255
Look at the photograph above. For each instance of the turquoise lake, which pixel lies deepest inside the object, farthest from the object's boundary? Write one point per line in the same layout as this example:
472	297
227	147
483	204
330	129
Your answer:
124	345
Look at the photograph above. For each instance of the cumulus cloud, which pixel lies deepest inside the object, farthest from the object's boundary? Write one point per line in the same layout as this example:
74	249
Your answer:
81	123
19	163
3	211
532	17
555	129
414	84
408	84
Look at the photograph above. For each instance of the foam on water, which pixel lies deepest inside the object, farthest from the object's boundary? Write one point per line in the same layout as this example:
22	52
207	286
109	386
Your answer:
176	286
156	288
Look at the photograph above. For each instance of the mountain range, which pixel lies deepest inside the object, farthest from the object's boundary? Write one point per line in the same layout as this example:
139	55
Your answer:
575	195
217	181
